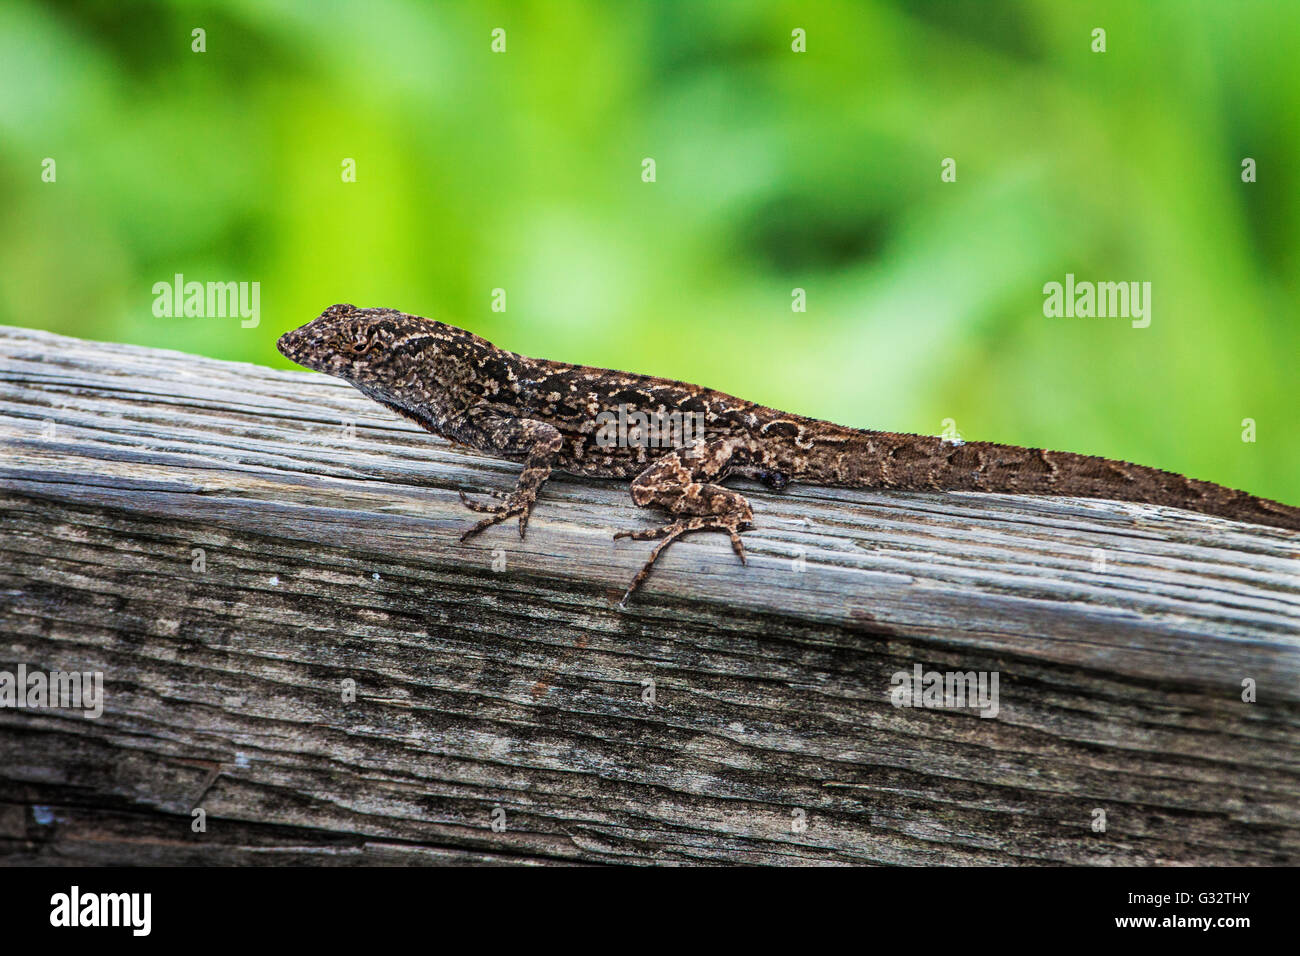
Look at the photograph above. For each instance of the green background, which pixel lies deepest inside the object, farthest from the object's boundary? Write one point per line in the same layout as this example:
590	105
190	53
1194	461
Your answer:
775	170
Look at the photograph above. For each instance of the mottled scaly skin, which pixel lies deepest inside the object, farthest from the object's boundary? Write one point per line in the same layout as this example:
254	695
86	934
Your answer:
545	415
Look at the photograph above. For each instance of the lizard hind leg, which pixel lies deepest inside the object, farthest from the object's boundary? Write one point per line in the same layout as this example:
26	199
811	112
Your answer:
683	485
731	524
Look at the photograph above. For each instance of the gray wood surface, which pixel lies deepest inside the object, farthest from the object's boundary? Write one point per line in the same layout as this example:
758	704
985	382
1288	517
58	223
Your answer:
500	674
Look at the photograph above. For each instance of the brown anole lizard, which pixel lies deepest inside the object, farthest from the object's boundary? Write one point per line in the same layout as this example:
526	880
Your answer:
552	416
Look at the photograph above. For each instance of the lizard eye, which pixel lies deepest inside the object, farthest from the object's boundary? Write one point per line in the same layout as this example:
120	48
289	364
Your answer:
362	341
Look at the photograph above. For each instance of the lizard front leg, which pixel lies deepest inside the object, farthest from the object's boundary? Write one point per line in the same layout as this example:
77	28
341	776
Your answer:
685	485
539	442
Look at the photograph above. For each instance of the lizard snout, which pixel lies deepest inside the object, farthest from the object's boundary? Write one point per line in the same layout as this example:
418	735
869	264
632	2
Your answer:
292	345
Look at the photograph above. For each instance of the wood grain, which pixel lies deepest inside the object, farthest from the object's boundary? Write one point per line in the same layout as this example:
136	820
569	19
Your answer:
500	674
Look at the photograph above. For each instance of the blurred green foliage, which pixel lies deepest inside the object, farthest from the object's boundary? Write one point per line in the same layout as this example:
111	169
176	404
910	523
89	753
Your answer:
775	170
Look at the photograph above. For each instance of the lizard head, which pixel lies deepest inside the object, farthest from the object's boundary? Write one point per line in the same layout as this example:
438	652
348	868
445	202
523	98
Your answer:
344	341
402	360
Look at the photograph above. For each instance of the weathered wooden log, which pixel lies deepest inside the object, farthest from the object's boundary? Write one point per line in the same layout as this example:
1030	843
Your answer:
232	545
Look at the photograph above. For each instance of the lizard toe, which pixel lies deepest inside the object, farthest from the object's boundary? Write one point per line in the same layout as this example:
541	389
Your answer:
737	545
473	505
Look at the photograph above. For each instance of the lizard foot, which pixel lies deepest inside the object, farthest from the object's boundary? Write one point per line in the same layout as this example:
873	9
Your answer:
731	524
515	505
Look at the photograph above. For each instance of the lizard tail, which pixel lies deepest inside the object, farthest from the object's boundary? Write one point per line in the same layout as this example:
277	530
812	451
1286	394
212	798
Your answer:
921	463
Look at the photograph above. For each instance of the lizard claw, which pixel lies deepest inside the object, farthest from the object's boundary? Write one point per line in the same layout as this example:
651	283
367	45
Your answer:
515	505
